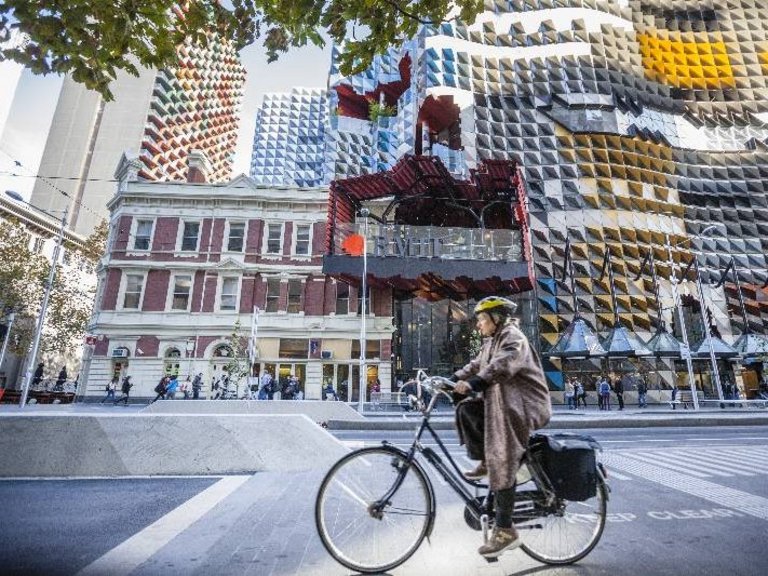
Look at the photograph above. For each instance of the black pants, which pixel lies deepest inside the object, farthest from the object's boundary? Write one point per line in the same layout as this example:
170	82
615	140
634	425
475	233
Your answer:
470	423
620	398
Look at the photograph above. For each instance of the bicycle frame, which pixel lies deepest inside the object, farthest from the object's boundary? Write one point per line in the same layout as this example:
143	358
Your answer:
480	508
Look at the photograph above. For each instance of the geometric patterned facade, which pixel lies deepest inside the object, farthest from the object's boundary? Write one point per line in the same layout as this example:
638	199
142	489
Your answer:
194	106
289	140
634	121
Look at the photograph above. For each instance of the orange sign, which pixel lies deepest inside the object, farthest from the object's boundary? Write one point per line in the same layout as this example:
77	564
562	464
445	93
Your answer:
354	244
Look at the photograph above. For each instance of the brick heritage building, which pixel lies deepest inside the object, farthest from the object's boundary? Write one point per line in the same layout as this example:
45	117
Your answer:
188	261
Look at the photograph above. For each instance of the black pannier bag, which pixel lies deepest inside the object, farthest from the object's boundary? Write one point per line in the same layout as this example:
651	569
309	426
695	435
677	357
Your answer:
569	462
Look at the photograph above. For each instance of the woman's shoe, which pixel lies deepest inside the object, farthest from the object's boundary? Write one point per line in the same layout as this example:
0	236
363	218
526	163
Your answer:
501	540
478	472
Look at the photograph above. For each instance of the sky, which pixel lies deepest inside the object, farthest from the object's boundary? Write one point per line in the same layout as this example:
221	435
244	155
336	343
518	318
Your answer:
26	129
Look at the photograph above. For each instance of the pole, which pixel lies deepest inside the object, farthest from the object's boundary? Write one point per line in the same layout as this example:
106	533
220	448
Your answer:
707	332
43	309
11	317
364	290
678	306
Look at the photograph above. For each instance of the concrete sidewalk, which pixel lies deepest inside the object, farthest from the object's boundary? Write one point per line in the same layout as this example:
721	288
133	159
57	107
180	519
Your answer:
562	418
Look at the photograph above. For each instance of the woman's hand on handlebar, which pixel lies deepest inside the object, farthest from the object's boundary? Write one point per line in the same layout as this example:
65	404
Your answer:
462	387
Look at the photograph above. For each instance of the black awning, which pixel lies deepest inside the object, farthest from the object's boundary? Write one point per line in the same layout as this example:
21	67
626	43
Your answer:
722	350
623	343
664	345
751	346
577	341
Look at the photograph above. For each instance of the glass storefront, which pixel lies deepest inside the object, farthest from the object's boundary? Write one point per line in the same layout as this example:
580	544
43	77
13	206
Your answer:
440	337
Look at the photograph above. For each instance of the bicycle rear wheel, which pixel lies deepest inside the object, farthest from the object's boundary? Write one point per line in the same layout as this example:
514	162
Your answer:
353	534
567	533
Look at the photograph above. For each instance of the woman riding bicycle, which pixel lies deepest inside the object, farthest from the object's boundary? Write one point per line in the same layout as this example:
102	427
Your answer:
515	402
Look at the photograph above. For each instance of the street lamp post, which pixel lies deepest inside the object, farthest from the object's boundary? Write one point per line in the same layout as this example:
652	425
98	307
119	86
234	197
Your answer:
364	290
707	332
686	352
43	309
190	348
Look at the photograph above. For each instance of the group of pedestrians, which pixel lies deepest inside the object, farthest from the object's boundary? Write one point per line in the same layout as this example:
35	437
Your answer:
125	390
268	387
575	395
605	386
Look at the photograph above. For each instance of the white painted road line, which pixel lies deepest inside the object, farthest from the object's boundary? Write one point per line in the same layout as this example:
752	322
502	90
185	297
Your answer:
129	555
751	504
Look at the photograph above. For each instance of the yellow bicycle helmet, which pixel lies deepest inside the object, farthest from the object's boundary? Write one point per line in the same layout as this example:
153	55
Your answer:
495	304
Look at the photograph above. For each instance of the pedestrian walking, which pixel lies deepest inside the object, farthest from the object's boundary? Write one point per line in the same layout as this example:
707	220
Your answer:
605	394
61	379
125	388
580	394
197	384
184	388
173	385
618	389
160	389
642	391
37	377
111	387
570	394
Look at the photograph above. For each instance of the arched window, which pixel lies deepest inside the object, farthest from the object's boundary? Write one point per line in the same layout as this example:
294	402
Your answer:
223	351
173	353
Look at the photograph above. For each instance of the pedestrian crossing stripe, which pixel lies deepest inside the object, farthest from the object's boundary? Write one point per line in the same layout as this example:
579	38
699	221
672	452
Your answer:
684	481
723	462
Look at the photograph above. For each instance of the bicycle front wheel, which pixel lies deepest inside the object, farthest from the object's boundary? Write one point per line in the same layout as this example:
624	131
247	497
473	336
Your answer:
356	535
568	532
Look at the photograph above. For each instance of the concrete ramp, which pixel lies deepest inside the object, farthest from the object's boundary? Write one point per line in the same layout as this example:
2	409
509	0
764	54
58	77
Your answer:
315	410
146	444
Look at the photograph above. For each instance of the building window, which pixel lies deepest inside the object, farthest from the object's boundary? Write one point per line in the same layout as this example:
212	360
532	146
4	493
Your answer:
295	288
190	236
294	348
273	294
182	287
274	242
37	244
230	286
236	238
368	302
342	298
133	287
143	235
302	246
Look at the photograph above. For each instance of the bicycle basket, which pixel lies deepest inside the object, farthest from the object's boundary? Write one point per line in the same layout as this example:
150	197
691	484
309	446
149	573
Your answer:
569	462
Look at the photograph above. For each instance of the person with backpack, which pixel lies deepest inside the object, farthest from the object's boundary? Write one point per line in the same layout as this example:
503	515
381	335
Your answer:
111	387
172	386
160	389
125	388
579	394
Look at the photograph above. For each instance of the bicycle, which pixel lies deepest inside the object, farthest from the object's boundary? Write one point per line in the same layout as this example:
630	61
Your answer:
376	505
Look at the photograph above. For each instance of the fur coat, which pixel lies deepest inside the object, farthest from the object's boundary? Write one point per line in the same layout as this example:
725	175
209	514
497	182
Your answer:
516	399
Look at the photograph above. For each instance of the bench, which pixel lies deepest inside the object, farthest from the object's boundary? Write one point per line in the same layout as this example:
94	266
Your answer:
685	398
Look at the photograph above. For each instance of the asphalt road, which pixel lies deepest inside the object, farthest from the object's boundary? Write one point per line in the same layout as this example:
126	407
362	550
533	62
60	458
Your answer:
684	501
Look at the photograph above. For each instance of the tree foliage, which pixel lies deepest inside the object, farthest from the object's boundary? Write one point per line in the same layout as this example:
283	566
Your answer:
93	40
23	278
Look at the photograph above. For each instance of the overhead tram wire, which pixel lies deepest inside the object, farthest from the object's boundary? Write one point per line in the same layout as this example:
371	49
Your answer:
46	180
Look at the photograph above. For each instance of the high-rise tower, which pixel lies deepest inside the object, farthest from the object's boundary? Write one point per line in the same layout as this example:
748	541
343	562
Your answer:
160	116
289	138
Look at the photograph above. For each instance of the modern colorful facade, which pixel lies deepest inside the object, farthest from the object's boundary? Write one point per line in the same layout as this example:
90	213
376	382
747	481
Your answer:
159	116
637	124
289	140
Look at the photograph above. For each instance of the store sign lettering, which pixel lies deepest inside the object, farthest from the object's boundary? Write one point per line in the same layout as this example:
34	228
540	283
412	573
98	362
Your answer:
407	247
